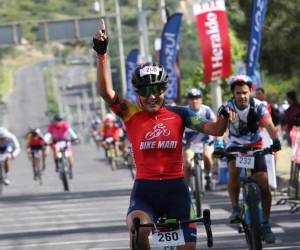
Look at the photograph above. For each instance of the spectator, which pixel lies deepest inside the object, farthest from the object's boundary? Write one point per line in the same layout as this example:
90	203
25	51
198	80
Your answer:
292	112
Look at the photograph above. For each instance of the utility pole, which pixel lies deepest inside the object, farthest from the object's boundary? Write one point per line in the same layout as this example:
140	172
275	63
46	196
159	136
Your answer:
216	93
121	48
143	33
162	7
101	7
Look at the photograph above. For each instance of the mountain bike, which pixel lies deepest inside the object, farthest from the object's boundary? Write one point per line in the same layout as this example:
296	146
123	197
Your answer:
197	187
111	152
36	161
3	157
130	163
252	211
63	163
167	233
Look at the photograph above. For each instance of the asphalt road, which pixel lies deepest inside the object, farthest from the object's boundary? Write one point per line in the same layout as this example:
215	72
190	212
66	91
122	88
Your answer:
92	215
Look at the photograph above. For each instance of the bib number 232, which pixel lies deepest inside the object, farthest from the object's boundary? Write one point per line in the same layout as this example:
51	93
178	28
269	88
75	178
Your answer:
245	161
170	238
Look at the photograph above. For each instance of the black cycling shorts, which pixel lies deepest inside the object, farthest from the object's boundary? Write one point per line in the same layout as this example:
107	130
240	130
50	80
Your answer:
259	162
164	198
37	147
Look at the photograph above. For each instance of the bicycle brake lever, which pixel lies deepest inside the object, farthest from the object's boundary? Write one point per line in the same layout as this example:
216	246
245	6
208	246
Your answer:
207	223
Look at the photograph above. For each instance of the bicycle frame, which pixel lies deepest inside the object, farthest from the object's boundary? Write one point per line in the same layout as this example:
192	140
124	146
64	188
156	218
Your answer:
111	152
252	211
197	172
2	161
36	157
172	224
63	163
3	158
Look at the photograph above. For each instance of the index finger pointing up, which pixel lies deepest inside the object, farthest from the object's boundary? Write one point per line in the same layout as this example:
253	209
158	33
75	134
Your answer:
102	25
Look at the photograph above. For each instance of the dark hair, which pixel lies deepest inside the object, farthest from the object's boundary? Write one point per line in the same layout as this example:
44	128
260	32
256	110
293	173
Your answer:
260	89
292	95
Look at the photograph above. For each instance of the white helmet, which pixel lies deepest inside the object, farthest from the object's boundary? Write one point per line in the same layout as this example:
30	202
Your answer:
109	117
3	132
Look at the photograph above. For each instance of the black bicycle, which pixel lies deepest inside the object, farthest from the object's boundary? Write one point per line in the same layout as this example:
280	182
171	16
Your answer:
36	160
168	232
3	157
63	163
111	152
197	184
252	211
129	163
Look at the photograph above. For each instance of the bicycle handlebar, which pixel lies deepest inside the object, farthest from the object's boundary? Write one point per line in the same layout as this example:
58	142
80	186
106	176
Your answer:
173	223
207	225
257	151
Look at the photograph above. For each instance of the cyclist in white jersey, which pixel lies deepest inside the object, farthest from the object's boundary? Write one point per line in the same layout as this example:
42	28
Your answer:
243	132
192	137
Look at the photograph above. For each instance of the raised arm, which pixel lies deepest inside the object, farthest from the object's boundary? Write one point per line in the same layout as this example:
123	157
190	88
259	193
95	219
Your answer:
100	41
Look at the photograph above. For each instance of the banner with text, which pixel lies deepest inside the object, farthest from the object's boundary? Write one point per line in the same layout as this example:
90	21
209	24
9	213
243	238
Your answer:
259	8
168	53
131	64
212	26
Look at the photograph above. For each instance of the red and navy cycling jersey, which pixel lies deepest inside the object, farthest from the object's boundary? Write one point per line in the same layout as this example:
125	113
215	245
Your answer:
156	137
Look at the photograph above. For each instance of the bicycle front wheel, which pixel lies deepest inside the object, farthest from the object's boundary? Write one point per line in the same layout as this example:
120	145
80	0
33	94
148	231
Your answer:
254	230
198	189
1	179
38	171
134	234
63	175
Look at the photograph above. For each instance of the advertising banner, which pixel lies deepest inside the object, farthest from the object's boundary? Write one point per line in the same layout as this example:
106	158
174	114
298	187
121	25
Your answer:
131	64
168	53
259	8
212	27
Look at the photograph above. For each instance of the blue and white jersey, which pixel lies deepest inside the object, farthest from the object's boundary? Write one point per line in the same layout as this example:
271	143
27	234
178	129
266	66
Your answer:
194	136
238	131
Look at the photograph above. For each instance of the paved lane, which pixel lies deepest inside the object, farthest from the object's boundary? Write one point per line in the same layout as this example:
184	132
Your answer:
92	215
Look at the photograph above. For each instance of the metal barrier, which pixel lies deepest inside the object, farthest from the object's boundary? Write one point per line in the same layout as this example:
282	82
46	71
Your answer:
293	198
294	186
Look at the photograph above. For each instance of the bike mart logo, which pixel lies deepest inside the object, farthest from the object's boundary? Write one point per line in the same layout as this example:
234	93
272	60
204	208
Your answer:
157	131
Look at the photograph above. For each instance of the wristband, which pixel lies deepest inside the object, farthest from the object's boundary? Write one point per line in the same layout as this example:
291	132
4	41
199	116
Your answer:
102	57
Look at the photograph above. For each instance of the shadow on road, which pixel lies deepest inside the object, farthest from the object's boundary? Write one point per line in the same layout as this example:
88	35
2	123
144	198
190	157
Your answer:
51	233
65	196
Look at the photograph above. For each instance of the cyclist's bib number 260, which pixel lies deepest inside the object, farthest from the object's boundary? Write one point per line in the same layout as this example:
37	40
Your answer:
245	161
170	238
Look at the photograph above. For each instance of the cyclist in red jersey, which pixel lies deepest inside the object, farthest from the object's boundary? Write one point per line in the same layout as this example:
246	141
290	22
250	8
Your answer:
155	132
35	141
111	130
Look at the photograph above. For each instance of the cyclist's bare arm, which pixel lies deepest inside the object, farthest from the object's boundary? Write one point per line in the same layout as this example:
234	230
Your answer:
216	128
105	89
268	123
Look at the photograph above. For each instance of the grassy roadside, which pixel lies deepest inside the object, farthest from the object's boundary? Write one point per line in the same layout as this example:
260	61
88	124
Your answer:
10	63
284	162
53	107
6	79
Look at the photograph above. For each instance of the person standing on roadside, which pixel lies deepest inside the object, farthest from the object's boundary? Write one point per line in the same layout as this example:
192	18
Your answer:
292	112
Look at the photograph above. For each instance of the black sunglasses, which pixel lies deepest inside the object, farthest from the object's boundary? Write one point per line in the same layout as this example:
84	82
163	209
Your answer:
146	91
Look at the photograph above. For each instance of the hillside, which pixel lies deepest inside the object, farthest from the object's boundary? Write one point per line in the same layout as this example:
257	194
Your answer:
279	61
